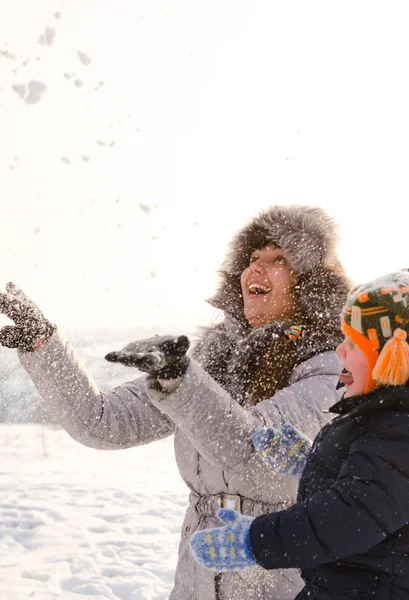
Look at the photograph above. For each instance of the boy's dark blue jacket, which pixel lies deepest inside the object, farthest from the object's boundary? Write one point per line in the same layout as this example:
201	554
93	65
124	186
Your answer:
349	531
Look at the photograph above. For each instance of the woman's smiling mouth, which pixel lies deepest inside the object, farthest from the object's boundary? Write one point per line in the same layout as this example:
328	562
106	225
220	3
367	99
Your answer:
257	288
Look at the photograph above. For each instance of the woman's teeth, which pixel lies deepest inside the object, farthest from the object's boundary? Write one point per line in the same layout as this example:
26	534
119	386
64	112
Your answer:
259	288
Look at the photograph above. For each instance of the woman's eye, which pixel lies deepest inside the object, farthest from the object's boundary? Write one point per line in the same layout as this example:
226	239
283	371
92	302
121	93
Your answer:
276	259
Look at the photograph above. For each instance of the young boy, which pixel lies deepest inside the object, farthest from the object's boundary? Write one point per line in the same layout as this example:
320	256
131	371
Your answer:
349	531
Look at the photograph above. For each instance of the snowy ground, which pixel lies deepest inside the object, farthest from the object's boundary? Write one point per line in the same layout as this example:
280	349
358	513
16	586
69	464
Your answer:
77	523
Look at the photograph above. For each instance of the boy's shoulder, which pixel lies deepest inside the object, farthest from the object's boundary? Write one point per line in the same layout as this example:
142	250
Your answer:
385	410
383	400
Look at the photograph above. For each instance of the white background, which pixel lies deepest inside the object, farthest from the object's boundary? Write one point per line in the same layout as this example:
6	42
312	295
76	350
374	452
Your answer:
217	109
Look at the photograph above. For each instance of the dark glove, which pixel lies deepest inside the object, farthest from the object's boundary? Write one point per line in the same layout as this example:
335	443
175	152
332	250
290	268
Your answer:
30	324
162	357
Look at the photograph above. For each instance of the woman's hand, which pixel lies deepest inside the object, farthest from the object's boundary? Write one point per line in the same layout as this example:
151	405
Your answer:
31	329
162	357
285	450
225	548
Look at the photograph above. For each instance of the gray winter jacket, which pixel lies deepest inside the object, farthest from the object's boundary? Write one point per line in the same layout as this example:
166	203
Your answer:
214	411
212	446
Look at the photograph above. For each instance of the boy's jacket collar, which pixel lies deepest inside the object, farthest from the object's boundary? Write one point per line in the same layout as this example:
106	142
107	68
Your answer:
381	399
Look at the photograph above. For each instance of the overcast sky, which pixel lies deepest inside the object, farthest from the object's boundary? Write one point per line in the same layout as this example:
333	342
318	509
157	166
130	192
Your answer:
136	137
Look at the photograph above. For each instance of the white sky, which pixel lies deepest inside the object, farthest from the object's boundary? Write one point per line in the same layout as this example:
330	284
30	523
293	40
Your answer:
217	109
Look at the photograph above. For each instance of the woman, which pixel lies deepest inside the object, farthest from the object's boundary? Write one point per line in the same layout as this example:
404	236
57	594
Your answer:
281	277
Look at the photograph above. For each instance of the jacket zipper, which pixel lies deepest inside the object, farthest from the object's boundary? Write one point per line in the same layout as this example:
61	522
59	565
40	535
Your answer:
217	577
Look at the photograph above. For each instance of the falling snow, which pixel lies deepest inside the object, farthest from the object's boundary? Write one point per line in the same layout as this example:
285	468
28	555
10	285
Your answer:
84	58
47	38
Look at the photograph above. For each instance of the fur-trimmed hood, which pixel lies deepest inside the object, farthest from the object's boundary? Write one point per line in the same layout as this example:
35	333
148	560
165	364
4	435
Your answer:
308	236
258	362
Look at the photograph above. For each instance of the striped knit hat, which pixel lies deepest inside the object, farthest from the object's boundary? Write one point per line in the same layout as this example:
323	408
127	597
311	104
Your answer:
376	318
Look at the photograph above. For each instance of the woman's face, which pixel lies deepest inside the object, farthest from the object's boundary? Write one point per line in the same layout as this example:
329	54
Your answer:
355	363
267	285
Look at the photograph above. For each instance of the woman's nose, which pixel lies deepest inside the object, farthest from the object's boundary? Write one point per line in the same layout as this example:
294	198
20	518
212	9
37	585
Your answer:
256	266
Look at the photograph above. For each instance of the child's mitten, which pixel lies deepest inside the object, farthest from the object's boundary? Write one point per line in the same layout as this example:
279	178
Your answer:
285	450
225	548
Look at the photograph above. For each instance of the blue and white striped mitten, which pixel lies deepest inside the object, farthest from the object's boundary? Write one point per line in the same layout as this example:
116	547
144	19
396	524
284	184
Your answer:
285	450
225	548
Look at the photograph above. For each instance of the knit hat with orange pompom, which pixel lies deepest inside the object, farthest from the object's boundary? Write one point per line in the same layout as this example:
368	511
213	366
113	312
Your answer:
376	319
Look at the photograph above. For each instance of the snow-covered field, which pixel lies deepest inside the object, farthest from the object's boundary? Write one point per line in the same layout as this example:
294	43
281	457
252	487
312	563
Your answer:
77	523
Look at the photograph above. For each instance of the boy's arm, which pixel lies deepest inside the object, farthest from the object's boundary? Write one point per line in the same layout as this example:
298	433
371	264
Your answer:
368	501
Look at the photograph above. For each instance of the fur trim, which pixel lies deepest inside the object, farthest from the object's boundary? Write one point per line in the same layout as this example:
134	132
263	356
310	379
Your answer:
257	363
253	364
308	236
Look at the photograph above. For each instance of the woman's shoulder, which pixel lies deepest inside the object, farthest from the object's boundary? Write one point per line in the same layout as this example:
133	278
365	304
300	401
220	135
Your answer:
305	402
324	363
220	335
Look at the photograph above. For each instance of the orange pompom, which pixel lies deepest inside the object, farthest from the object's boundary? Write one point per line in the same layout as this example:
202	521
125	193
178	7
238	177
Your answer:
392	366
400	334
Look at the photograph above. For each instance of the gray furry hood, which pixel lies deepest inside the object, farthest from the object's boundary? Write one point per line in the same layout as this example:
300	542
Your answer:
255	363
308	236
